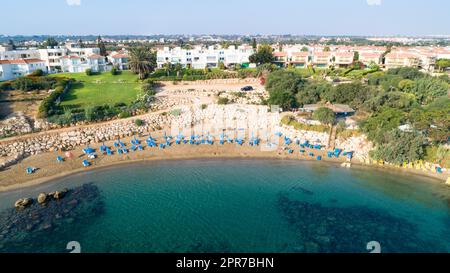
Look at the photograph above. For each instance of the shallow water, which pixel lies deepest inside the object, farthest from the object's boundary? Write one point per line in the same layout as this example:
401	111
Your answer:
235	205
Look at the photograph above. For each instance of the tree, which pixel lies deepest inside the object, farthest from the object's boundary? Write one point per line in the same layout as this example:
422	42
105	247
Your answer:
254	44
37	73
399	147
101	46
304	49
376	126
428	88
406	85
50	42
283	85
327	49
142	61
410	73
221	65
356	56
311	92
433	120
263	55
80	43
11	44
354	93
178	68
443	64
324	115
167	68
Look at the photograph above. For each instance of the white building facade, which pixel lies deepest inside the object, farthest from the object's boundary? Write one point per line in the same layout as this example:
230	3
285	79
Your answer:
201	57
12	69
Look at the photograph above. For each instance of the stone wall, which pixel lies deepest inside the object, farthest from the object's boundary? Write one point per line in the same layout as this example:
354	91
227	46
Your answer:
66	139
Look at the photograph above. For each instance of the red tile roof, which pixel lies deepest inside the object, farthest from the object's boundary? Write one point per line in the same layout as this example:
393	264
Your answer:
344	54
280	54
300	54
95	56
120	55
322	54
400	55
21	61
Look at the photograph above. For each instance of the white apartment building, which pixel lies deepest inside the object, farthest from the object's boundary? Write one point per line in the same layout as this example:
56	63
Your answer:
76	64
19	54
11	69
52	58
119	59
201	57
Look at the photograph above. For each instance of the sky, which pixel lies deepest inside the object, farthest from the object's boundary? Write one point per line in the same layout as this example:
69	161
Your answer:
146	17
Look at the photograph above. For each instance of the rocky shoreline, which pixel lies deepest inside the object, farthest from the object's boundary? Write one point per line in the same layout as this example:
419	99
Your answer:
13	151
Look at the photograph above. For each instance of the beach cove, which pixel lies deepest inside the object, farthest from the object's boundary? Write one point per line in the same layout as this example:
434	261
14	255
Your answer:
48	169
231	205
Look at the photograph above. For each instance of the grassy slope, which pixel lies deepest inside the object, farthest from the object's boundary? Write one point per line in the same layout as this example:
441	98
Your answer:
101	89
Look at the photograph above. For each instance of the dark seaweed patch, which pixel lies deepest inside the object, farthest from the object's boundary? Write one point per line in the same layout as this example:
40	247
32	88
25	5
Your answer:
336	230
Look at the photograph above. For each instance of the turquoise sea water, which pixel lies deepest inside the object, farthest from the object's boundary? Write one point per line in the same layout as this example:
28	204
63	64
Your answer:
237	205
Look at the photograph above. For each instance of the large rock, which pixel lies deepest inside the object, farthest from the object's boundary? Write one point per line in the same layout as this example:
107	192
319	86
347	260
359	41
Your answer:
42	197
58	195
22	203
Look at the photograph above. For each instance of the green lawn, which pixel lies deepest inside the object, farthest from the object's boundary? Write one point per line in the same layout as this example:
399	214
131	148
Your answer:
101	89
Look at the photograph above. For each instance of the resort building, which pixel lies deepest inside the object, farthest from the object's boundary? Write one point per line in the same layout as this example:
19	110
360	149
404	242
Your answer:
119	59
201	57
75	64
52	58
322	59
396	59
300	59
19	54
280	59
11	69
370	58
343	59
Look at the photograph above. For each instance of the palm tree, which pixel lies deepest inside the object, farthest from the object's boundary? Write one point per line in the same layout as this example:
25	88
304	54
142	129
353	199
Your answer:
142	61
167	68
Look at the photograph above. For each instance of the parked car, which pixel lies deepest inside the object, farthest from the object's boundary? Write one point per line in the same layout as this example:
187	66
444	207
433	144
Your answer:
247	88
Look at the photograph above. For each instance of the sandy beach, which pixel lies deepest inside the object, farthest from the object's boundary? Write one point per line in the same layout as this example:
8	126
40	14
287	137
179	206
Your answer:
48	169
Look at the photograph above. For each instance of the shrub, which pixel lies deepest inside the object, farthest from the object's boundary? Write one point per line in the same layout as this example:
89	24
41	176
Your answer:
124	114
325	115
46	108
138	122
291	121
23	84
114	71
5	86
89	72
223	100
37	73
147	88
